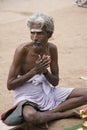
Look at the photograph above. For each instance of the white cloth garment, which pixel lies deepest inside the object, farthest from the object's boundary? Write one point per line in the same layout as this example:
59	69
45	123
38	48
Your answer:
37	79
41	92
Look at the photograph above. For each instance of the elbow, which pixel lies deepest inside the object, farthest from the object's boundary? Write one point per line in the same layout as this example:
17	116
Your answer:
9	86
56	82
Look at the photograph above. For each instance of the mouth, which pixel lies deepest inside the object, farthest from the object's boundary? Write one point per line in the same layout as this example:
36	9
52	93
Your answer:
36	43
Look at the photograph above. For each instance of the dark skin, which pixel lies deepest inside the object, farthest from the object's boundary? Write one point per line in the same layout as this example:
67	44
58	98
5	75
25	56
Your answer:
31	59
35	58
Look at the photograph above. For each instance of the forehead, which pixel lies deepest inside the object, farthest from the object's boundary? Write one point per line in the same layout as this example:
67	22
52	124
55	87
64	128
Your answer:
37	28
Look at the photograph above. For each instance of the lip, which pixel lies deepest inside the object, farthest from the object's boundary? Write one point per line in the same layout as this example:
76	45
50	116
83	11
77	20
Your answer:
36	43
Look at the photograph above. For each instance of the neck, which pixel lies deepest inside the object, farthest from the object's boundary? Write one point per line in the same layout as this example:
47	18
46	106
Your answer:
40	49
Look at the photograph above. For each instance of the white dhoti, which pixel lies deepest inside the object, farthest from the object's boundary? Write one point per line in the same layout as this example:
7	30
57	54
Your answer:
38	90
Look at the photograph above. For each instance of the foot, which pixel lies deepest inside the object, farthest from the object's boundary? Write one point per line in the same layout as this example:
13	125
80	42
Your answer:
43	126
76	114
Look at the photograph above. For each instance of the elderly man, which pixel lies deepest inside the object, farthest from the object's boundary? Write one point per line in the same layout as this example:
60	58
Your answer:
34	75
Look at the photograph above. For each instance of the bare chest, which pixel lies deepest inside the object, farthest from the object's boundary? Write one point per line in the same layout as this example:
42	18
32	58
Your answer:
30	59
29	62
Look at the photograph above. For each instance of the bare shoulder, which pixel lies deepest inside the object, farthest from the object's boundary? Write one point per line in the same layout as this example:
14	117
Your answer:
22	48
52	47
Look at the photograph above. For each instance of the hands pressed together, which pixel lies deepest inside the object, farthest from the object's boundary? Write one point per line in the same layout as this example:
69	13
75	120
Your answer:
42	64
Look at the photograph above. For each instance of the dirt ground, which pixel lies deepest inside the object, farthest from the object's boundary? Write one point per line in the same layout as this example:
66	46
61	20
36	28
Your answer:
70	37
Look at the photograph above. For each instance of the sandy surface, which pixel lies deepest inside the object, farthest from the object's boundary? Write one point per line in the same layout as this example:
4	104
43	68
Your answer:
70	36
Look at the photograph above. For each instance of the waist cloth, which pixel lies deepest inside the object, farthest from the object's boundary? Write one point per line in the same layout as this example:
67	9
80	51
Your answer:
38	93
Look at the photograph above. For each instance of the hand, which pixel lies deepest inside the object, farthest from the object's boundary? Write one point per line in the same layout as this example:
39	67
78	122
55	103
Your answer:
42	63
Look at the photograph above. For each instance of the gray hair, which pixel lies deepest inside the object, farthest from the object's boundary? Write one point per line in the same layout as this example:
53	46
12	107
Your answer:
43	20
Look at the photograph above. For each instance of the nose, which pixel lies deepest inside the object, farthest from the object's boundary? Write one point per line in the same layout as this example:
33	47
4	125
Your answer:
35	36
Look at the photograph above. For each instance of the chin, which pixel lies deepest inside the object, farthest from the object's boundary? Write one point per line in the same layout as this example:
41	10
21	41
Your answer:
38	44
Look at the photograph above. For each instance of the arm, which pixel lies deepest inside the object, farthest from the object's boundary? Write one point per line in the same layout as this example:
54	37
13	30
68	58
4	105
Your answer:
53	76
13	81
15	70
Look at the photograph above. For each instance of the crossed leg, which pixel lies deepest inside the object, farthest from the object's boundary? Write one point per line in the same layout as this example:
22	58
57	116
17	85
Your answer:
37	118
77	98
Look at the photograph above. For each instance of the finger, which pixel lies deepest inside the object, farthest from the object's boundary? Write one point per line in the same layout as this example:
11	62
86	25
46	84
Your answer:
46	57
38	60
43	56
39	56
44	65
43	61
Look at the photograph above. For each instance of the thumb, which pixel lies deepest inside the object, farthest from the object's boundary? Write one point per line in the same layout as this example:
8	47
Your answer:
39	57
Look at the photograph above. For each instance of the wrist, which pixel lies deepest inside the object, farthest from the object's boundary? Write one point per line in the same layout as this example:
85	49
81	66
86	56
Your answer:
45	72
34	71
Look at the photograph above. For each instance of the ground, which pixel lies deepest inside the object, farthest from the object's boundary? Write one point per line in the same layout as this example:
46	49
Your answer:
70	37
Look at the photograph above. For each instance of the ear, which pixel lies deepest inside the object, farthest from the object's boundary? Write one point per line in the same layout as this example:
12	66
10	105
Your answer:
49	34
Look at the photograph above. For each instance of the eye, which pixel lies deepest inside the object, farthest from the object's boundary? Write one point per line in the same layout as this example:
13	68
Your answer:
40	33
33	33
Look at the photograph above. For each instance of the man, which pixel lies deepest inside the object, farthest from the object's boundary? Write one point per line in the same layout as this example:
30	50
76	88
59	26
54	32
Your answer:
34	73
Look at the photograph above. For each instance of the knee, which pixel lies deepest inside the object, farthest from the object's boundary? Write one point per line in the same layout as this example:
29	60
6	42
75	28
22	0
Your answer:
84	98
32	117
